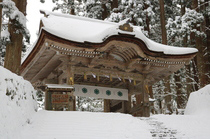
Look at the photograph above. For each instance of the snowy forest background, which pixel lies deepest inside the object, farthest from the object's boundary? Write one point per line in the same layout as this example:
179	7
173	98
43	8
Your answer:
183	23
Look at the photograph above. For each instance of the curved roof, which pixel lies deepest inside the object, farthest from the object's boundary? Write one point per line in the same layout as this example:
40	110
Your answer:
81	29
90	44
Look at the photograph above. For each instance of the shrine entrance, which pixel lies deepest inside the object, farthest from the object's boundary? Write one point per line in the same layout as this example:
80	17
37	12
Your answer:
63	97
93	58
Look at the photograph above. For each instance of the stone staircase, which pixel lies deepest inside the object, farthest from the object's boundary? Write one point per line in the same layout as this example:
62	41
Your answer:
159	130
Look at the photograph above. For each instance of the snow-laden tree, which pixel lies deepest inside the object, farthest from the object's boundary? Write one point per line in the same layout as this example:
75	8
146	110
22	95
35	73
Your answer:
12	32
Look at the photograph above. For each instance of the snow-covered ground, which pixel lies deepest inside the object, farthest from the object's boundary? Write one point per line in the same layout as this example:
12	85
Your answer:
85	125
187	126
195	124
18	119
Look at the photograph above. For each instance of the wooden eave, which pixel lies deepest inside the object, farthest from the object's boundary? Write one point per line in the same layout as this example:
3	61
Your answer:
130	56
120	37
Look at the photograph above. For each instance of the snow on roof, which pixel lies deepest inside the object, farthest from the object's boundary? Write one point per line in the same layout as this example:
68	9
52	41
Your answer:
81	29
63	86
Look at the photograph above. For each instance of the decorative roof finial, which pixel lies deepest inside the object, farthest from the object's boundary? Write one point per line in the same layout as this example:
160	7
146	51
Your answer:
126	26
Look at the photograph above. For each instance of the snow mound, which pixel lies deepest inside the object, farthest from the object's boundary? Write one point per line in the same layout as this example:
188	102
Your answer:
199	102
17	104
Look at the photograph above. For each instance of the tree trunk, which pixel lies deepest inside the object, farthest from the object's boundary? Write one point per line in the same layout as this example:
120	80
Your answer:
72	11
183	6
167	97
104	12
14	48
196	42
207	19
200	59
114	4
132	16
205	27
184	44
179	99
0	18
164	41
147	20
163	22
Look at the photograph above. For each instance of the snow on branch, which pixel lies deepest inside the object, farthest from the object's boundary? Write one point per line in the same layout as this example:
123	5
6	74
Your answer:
185	24
12	12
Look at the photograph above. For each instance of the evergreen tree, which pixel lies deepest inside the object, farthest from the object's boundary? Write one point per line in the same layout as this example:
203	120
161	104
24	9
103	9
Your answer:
13	33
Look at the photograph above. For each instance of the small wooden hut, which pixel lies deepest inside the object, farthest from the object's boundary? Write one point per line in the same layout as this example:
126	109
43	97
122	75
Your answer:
101	59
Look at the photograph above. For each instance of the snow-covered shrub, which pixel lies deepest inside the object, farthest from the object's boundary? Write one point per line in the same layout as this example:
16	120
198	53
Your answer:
40	99
89	104
17	104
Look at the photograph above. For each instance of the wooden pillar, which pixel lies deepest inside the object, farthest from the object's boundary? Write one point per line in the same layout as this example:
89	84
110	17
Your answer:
106	105
48	105
70	81
145	95
151	96
127	104
142	100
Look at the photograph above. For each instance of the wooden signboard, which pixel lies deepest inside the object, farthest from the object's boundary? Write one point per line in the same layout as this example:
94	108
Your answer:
60	98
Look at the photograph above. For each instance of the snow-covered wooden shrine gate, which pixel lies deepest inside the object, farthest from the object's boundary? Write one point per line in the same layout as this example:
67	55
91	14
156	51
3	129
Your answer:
99	59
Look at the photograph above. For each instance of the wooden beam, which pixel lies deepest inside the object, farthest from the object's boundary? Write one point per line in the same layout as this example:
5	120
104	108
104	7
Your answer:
128	54
130	63
133	51
124	56
34	60
92	61
119	84
115	73
43	68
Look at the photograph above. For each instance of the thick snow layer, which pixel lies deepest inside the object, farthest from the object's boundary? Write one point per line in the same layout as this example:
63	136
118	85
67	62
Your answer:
17	104
59	86
85	125
82	29
199	102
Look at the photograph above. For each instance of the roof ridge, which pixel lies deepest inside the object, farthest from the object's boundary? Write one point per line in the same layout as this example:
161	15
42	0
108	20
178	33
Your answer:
47	13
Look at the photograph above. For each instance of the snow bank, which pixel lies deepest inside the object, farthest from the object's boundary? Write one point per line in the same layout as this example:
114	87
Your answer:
17	104
199	102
